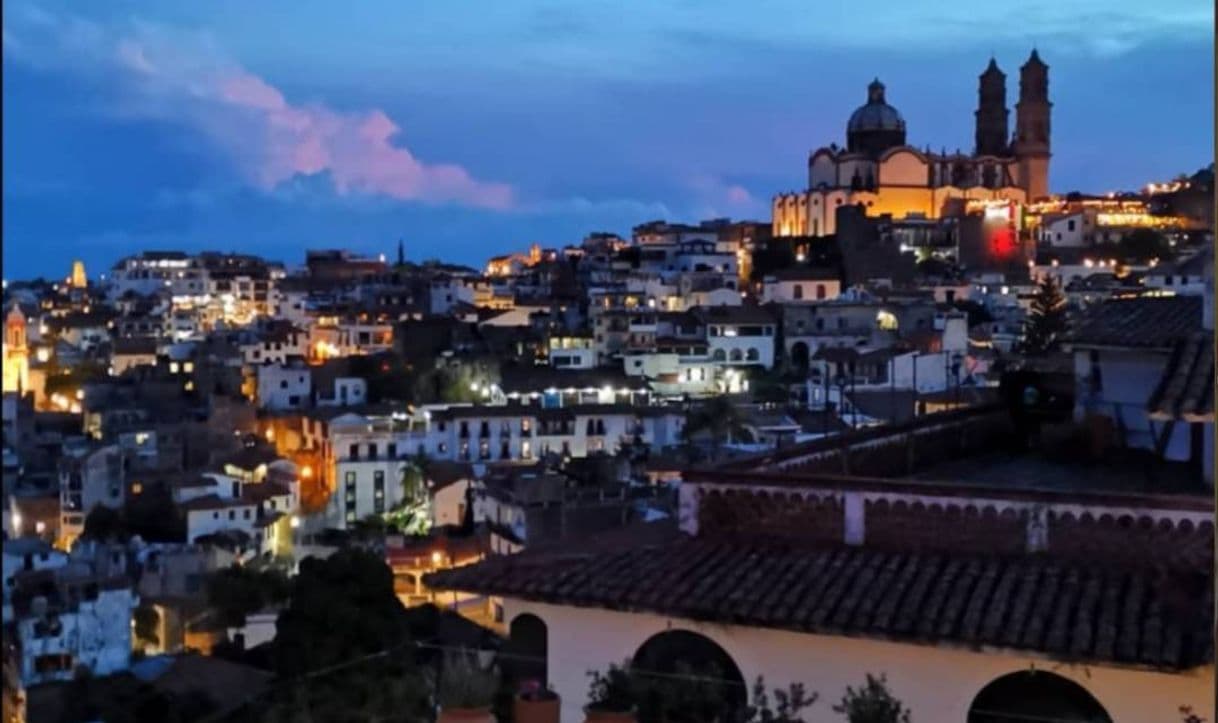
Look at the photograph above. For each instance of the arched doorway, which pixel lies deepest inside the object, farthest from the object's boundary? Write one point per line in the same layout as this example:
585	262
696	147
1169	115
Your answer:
688	678
799	357
1032	695
526	651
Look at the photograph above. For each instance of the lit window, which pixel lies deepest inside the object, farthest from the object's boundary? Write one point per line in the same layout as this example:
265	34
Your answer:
173	367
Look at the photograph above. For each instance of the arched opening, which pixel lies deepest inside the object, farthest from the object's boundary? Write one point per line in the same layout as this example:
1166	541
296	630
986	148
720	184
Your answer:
736	355
526	649
800	356
719	355
688	678
1035	695
752	355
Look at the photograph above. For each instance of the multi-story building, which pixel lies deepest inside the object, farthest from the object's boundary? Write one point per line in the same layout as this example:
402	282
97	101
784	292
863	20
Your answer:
742	335
89	476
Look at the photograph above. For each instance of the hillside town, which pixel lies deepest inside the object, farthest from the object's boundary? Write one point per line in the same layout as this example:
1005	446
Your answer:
961	457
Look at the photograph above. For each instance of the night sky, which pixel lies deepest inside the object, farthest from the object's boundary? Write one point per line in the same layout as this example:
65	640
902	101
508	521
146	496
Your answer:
471	128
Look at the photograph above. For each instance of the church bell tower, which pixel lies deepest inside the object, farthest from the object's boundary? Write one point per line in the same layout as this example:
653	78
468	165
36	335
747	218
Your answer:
1031	144
16	354
992	116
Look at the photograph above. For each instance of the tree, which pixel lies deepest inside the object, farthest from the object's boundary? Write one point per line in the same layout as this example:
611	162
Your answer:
872	703
1142	245
104	524
719	418
788	704
1047	318
343	649
341	607
237	591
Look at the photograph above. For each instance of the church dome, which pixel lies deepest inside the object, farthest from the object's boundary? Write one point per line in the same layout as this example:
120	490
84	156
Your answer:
876	126
876	115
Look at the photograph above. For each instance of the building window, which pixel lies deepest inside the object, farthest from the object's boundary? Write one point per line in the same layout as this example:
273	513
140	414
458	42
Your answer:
799	291
526	425
349	496
353	452
372	451
526	449
378	491
820	291
392	450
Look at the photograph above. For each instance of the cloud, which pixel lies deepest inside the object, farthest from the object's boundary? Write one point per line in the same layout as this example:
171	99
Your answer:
154	72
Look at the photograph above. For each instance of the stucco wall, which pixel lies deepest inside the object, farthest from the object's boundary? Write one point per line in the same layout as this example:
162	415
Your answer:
938	684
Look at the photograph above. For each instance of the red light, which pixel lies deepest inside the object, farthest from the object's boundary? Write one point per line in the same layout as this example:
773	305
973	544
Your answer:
1002	242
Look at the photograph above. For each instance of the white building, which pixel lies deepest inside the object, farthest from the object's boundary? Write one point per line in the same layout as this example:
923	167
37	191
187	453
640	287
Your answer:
800	285
262	511
69	614
89	476
1066	230
739	335
572	353
283	387
825	605
1121	349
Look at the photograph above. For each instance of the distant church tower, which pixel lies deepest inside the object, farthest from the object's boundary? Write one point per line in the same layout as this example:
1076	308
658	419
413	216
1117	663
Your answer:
79	279
16	355
992	114
1031	144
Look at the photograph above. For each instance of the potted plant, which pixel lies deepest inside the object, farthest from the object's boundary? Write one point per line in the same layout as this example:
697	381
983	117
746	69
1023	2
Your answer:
535	703
611	696
466	690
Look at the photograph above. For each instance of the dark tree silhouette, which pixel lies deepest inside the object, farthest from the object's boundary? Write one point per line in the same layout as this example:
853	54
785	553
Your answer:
1046	319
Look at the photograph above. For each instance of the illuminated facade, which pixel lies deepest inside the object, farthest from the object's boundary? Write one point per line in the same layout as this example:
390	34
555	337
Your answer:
79	279
16	353
880	172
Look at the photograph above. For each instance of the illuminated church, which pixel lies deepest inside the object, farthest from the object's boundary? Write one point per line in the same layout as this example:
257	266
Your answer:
878	170
16	354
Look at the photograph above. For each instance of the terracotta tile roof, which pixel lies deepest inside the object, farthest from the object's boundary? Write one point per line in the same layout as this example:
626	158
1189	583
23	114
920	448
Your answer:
1068	611
1148	322
1186	390
214	502
733	315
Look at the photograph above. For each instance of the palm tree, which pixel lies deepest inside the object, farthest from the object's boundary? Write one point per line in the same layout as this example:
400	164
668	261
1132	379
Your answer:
718	418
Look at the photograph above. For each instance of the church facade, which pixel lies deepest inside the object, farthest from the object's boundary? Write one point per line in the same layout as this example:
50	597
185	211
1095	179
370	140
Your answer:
879	171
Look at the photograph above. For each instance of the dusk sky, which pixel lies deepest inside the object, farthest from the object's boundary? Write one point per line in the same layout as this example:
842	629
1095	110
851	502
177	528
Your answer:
472	128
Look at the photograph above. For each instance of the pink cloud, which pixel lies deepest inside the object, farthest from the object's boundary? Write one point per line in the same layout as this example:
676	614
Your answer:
166	74
738	194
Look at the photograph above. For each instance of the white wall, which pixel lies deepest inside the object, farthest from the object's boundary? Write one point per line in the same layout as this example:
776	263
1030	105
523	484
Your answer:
259	628
784	292
97	635
1128	379
211	521
448	503
937	683
283	387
